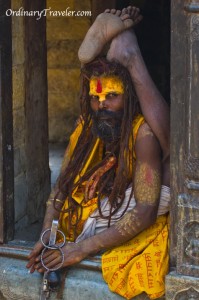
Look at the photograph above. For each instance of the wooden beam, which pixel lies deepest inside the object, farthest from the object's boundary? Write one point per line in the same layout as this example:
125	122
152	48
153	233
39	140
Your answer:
36	111
6	127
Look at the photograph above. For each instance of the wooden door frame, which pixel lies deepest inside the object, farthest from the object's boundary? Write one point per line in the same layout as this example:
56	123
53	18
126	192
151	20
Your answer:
6	127
32	106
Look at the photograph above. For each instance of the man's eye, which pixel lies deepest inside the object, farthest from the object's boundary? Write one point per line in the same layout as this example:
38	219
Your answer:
94	98
111	95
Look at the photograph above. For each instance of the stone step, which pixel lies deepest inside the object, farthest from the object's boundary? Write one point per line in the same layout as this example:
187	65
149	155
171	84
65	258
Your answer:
83	282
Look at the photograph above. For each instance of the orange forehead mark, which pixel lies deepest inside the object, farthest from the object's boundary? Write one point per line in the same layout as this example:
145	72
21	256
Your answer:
99	86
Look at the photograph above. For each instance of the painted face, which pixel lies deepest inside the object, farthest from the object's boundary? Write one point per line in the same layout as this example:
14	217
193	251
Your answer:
107	103
101	87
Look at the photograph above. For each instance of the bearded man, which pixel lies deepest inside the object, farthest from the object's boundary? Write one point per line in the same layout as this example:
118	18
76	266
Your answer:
112	194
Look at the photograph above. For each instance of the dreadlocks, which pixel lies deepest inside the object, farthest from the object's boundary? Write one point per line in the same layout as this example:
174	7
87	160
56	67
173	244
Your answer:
120	148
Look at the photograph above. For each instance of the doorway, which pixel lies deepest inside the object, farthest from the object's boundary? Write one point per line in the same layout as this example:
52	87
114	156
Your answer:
63	79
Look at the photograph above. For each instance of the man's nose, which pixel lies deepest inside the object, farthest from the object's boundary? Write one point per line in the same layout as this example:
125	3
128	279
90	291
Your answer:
102	97
102	104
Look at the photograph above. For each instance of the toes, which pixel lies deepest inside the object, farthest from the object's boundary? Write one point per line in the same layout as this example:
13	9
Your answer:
124	11
136	12
125	17
118	13
138	19
133	12
113	11
130	10
128	23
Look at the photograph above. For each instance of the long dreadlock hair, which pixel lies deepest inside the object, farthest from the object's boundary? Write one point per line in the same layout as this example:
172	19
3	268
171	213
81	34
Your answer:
86	141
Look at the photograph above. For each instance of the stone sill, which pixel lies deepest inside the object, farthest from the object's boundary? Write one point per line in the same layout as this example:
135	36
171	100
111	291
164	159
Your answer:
82	282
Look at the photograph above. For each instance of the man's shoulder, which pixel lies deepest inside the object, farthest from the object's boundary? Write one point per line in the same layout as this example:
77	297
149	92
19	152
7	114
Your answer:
144	130
137	122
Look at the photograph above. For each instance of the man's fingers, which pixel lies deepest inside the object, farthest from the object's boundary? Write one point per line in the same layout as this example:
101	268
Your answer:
55	263
52	261
31	254
46	254
51	264
36	250
32	269
51	255
30	263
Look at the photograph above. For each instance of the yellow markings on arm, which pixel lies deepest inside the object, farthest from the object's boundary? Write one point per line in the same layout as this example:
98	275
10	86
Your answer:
129	224
145	130
147	184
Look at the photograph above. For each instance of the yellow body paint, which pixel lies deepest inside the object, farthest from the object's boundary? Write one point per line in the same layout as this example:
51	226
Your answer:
129	223
109	84
145	130
147	184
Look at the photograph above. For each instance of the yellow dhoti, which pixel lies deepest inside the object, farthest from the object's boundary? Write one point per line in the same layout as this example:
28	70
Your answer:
140	265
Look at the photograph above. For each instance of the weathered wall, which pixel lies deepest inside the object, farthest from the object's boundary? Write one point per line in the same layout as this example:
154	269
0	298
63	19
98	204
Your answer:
29	114
64	36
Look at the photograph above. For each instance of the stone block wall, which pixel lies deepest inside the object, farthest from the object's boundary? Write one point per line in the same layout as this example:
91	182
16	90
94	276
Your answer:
64	36
30	123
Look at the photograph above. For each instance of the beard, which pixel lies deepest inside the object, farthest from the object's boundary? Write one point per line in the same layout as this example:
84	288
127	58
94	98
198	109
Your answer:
107	125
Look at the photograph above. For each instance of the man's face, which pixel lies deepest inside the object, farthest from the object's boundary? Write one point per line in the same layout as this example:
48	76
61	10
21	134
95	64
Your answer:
106	93
107	103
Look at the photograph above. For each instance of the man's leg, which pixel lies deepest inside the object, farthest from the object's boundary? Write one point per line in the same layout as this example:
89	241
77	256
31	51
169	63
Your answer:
106	26
124	49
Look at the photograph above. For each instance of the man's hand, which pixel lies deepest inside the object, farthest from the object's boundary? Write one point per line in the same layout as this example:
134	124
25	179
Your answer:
36	252
73	253
32	256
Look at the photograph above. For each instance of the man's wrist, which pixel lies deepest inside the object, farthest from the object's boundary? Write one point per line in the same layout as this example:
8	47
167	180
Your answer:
46	225
89	246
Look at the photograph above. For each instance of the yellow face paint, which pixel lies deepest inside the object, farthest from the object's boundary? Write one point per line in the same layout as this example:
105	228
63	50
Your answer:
102	86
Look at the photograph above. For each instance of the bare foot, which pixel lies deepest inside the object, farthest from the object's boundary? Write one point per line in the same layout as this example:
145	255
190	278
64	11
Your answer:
125	45
106	26
123	48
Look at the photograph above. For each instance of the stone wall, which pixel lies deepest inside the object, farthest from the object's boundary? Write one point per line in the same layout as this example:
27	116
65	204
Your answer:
64	36
32	178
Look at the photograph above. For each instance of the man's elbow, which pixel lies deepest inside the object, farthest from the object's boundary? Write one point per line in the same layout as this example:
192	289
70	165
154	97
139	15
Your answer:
152	217
149	217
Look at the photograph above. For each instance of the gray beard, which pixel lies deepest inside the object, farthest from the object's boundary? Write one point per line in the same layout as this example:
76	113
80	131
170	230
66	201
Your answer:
107	125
